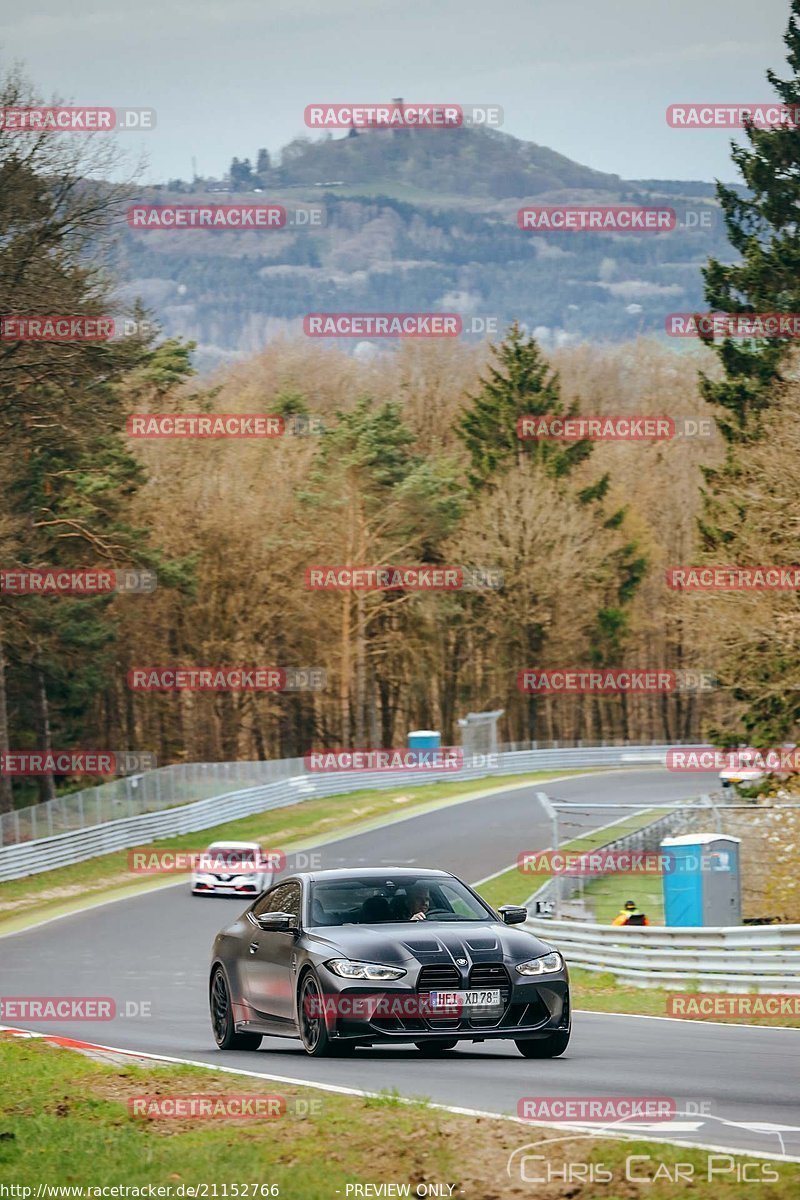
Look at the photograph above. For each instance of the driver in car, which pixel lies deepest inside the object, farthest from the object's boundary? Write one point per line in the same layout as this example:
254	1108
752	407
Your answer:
419	901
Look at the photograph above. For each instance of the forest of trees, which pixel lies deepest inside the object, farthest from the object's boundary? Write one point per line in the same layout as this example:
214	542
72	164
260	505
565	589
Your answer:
418	462
232	293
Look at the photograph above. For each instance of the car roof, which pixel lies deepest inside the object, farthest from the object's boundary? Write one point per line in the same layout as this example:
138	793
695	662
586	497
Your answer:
235	845
344	873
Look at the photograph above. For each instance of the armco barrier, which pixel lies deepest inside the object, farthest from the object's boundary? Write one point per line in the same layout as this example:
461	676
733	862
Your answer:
43	854
763	958
151	791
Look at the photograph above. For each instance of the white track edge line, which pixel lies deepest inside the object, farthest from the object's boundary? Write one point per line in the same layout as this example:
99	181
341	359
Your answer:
342	1089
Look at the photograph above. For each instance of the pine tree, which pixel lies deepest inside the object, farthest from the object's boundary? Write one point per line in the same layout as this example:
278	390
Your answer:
67	479
762	226
521	384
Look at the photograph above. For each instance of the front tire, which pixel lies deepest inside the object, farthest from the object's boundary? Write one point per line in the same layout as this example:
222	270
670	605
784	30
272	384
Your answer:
225	1034
311	1019
546	1047
432	1049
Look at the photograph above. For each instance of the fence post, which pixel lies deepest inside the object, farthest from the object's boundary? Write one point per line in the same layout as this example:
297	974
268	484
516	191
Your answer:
717	815
552	812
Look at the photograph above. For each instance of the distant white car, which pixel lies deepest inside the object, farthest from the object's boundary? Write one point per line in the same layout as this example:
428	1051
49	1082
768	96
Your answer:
745	771
232	869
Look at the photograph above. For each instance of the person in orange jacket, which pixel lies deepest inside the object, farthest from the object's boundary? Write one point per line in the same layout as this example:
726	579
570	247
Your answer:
630	915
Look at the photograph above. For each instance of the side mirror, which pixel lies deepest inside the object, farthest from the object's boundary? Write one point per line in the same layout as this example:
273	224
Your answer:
513	914
276	922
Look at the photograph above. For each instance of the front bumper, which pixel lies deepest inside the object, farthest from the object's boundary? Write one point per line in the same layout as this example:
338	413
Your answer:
233	887
528	1009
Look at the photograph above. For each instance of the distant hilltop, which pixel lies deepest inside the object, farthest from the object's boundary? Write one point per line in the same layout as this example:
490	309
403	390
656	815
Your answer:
470	162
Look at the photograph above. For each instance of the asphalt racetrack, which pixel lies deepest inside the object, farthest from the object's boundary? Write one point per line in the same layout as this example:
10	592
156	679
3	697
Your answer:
739	1087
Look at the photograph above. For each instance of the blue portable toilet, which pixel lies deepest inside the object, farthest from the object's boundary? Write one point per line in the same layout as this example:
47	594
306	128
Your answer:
424	739
701	880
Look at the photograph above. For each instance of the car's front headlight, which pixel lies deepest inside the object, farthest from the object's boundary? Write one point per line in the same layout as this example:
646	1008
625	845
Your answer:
545	965
348	969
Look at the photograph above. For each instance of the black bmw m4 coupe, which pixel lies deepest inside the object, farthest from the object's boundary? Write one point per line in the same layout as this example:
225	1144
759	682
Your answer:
359	957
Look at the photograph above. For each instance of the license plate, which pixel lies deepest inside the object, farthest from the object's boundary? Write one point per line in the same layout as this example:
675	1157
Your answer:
474	998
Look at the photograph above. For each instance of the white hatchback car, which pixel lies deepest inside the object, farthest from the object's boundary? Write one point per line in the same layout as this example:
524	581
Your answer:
232	869
745	768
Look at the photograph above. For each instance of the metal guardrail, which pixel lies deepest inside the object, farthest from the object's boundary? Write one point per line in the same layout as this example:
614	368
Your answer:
182	783
32	856
764	958
152	791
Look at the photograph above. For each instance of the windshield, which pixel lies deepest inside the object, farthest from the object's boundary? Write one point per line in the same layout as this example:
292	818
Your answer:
231	858
376	901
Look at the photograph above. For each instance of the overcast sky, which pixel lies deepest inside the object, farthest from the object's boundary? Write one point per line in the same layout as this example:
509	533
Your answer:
589	78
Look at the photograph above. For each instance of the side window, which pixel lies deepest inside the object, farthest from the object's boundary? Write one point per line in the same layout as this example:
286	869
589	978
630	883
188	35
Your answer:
283	898
292	899
456	902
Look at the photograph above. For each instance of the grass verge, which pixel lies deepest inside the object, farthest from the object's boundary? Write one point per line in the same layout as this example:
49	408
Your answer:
68	1121
599	991
607	896
515	887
